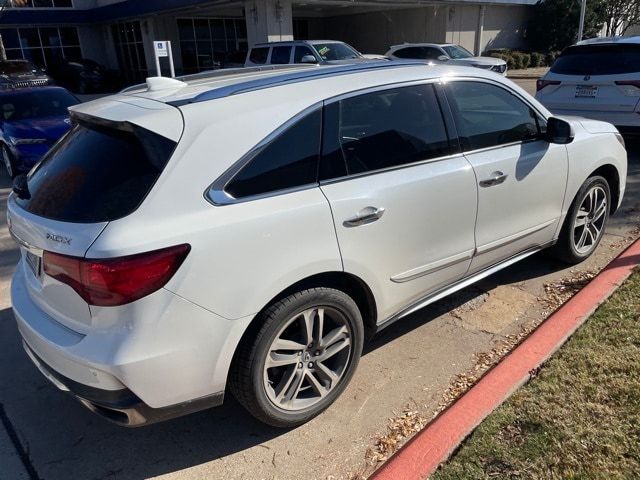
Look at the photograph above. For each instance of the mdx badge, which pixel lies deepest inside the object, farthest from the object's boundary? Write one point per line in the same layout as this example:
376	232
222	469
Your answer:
58	238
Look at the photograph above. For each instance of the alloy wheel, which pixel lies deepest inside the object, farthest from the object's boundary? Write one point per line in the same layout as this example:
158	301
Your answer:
589	223
308	358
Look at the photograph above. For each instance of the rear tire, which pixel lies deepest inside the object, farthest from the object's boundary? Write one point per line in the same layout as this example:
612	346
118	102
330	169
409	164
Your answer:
585	223
302	358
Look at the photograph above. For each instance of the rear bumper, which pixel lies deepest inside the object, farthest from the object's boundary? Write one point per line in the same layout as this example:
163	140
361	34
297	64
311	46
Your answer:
153	359
621	120
122	406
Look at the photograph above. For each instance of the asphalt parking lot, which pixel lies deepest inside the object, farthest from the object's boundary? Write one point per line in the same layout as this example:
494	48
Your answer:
411	367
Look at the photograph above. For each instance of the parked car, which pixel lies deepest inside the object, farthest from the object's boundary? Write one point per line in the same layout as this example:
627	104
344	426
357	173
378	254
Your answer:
82	76
597	79
323	205
33	119
20	74
446	53
321	52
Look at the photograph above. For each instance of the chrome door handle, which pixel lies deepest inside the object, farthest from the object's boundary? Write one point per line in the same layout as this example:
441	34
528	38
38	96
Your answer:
364	216
496	179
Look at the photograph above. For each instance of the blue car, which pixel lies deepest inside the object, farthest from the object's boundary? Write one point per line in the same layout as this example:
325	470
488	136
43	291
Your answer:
31	121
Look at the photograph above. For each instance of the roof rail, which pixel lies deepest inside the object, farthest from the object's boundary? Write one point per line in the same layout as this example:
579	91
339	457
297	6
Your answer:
225	72
299	76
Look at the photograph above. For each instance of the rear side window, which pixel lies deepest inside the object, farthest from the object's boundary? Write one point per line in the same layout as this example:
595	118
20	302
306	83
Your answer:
97	174
384	129
280	55
410	52
598	60
259	55
288	161
487	115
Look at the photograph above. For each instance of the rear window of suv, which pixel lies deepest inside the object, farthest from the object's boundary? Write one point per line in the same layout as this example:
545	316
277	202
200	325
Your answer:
97	173
598	60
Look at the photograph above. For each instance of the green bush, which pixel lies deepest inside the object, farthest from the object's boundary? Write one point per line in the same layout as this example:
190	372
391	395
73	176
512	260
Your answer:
526	60
551	57
537	60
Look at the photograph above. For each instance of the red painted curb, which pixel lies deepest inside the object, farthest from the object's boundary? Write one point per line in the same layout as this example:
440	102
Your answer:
422	455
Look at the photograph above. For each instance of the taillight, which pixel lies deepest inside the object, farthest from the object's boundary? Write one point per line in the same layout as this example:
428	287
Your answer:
116	281
540	84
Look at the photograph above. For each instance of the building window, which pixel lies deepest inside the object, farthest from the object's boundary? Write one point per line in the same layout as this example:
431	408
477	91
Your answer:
127	37
41	3
43	46
205	42
301	29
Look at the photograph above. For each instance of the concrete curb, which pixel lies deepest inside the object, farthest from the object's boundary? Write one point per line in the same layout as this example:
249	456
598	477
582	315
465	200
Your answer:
422	455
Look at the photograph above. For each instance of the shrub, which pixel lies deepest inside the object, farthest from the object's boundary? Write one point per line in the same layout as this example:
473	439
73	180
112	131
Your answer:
551	57
526	60
537	60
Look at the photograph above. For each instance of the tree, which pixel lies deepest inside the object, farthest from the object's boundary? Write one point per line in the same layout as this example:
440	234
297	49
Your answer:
619	15
555	23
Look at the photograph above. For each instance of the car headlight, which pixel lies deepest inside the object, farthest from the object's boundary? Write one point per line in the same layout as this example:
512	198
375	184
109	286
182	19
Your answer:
26	141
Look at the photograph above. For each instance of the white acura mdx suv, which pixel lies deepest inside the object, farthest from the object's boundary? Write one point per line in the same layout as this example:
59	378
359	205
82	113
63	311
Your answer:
249	230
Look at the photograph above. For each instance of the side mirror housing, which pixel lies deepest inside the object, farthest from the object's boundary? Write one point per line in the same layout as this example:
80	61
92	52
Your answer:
443	58
308	59
559	131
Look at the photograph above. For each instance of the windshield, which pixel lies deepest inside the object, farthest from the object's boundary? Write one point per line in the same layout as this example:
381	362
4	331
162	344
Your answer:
598	60
9	68
456	51
335	51
36	104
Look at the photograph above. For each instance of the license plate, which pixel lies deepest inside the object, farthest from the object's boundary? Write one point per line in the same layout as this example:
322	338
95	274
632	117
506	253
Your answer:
34	263
586	91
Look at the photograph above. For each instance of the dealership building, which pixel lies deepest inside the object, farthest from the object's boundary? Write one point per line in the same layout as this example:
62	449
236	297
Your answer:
120	33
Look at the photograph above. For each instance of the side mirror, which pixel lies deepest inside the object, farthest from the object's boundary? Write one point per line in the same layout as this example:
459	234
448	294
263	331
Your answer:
308	59
559	131
443	58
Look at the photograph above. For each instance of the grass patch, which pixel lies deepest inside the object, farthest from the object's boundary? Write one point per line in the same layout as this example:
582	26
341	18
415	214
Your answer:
579	419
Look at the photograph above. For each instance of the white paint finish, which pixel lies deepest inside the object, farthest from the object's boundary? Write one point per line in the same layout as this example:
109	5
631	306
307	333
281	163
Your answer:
531	196
414	231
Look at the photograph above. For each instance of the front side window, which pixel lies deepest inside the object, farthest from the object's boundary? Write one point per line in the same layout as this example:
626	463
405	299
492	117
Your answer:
384	129
487	115
259	55
456	51
302	51
280	55
288	161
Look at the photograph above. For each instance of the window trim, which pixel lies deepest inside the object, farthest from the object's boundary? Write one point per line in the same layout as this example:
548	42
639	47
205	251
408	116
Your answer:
506	89
453	141
216	193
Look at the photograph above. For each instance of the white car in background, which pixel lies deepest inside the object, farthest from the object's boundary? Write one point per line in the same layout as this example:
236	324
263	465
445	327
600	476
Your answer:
599	79
448	53
248	230
316	52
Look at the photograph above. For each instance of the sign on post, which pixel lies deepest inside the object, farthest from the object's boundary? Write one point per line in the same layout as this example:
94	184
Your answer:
162	48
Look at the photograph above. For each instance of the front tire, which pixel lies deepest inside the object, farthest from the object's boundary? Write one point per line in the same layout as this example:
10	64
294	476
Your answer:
586	221
301	359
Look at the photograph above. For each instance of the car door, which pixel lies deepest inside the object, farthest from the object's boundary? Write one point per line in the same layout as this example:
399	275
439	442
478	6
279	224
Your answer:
404	206
521	177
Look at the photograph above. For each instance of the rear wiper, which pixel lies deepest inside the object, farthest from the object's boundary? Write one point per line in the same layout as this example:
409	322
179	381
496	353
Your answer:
21	187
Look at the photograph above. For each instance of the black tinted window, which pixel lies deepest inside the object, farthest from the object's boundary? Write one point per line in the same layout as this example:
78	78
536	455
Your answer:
36	104
259	55
290	160
386	129
487	115
300	52
97	174
598	60
280	55
410	52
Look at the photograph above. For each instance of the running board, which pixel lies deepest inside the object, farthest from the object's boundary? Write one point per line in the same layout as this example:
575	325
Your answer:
465	282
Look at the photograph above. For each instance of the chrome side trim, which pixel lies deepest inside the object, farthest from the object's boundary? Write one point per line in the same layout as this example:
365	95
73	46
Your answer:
26	245
514	238
465	282
432	267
